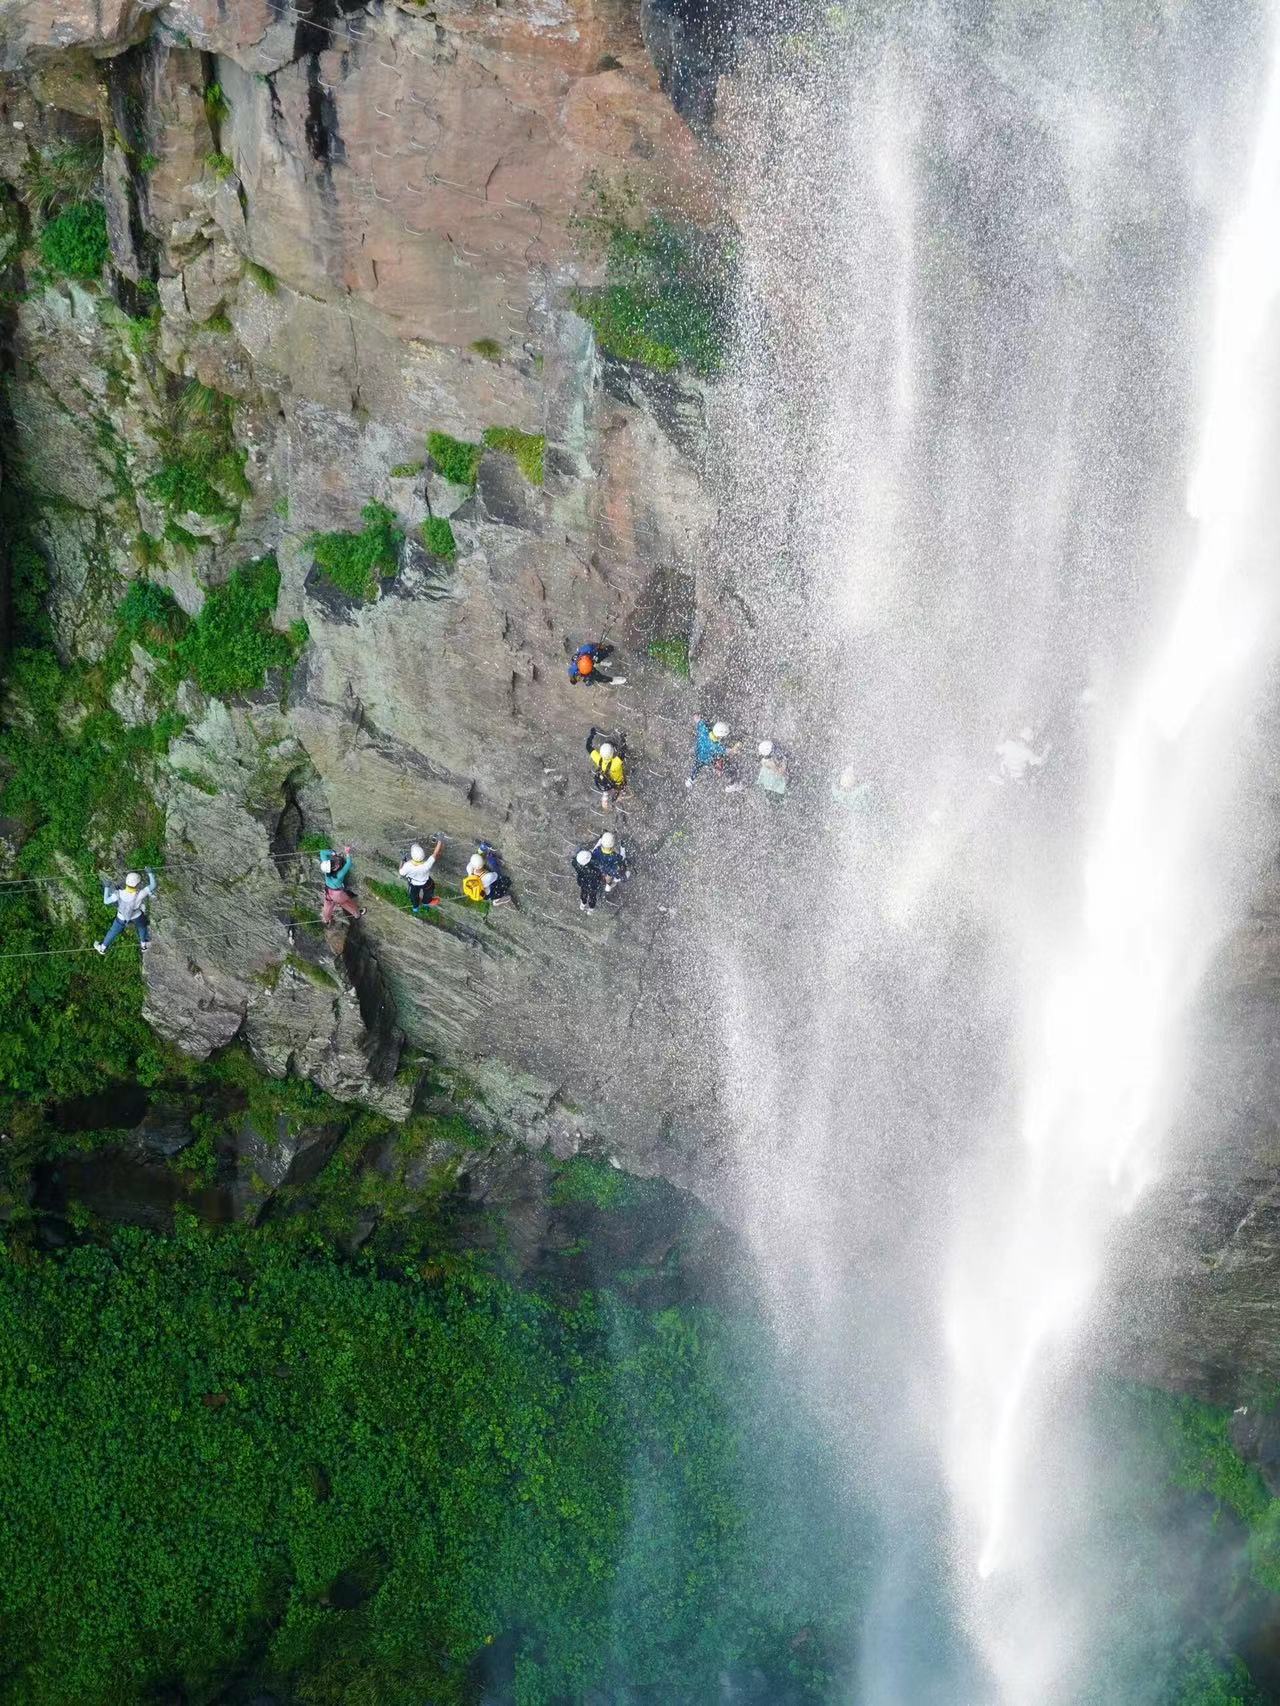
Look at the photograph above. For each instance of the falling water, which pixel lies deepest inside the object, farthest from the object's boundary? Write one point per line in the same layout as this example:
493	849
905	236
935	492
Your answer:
997	459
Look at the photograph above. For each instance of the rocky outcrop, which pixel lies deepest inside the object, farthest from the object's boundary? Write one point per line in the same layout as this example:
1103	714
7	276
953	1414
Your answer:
361	225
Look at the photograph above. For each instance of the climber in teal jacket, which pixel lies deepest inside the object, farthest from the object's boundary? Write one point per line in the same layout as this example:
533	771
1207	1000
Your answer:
336	894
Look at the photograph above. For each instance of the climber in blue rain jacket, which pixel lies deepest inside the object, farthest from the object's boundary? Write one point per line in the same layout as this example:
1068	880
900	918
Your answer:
712	750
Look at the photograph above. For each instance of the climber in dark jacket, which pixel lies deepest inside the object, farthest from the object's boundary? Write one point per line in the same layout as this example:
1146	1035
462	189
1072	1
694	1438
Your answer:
589	666
610	860
590	879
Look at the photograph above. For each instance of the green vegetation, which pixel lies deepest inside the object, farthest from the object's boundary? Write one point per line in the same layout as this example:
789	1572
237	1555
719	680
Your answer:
672	654
455	459
407	470
202	471
141	332
232	644
489	348
65	172
462	1465
586	1180
264	279
216	105
355	562
219	323
1196	1441
528	448
74	244
221	165
148	163
663	303
437	536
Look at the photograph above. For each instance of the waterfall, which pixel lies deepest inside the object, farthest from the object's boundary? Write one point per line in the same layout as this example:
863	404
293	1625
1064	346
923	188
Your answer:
996	480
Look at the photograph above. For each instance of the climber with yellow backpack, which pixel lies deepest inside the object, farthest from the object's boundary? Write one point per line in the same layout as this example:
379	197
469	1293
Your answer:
486	878
608	765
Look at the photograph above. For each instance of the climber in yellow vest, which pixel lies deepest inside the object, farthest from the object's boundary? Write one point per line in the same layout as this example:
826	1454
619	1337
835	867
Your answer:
608	766
486	878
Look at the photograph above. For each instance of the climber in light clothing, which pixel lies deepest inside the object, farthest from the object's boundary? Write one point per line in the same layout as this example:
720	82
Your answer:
336	895
416	870
1018	758
772	776
130	901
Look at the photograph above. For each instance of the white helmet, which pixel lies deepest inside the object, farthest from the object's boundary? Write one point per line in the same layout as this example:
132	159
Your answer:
326	865
584	858
848	778
606	751
475	864
133	881
765	749
415	852
719	731
608	841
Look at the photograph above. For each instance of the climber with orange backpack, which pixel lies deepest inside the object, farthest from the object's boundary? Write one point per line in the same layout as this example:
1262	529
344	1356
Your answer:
589	665
486	879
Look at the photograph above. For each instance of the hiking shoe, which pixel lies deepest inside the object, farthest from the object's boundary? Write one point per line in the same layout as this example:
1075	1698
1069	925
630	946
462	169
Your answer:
99	947
688	781
145	946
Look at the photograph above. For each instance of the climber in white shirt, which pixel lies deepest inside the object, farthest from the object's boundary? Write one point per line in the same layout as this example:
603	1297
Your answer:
130	902
416	870
1018	757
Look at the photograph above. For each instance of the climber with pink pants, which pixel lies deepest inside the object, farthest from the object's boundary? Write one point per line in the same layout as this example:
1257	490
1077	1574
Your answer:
337	897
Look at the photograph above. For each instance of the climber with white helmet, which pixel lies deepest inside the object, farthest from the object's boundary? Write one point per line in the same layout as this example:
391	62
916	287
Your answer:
772	776
853	795
336	894
610	860
130	901
590	664
486	879
1017	756
416	870
590	879
711	749
607	762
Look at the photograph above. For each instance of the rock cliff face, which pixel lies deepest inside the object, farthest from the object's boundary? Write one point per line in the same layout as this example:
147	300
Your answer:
360	224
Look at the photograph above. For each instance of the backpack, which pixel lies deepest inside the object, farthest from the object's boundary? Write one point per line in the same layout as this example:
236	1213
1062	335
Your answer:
473	886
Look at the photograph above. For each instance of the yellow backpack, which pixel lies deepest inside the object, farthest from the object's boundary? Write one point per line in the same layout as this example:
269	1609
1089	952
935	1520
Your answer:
473	887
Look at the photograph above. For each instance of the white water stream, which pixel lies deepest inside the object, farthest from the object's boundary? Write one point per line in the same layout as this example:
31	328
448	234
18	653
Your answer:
1004	449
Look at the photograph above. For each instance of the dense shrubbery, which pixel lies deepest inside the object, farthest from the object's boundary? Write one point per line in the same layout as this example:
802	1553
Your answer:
232	644
355	562
74	244
81	781
217	1446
